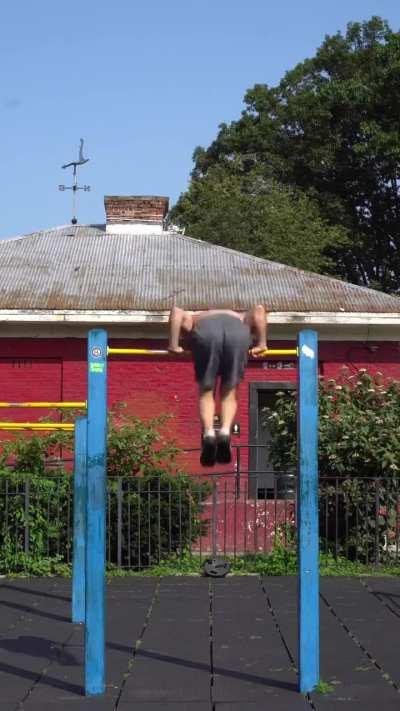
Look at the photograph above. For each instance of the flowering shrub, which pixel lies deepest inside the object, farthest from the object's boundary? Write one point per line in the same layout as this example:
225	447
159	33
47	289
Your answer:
359	426
359	460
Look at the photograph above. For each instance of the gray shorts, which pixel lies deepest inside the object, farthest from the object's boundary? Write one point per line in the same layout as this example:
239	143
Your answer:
220	346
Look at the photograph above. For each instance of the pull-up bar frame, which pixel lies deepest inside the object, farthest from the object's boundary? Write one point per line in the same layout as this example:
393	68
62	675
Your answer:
151	352
307	506
89	502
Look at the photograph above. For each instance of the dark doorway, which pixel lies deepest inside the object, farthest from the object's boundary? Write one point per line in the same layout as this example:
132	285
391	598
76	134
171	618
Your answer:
261	471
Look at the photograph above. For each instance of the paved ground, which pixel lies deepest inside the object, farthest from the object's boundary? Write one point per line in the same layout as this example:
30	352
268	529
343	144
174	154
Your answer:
180	644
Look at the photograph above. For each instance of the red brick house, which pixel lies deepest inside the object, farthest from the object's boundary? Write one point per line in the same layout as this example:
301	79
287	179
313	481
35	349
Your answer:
125	275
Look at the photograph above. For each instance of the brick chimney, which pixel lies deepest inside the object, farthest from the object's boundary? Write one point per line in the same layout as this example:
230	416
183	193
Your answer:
135	214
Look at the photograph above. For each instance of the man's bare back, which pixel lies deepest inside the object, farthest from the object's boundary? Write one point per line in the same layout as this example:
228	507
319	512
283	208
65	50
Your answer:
186	321
191	318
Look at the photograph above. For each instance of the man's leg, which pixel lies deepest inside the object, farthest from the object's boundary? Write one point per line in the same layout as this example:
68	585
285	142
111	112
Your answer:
228	409
209	441
207	342
235	353
207	411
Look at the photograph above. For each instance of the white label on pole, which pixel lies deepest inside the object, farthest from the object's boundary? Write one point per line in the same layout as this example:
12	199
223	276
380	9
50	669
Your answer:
307	351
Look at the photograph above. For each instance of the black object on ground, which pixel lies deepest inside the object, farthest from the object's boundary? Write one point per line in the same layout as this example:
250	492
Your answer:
216	567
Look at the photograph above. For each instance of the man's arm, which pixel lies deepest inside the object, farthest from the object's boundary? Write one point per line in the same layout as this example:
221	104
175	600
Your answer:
176	319
257	320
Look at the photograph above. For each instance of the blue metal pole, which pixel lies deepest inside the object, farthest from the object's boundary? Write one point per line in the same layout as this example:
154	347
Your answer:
307	510
78	554
95	513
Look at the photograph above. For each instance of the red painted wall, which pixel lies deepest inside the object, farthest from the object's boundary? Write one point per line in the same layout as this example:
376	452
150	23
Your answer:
44	369
41	369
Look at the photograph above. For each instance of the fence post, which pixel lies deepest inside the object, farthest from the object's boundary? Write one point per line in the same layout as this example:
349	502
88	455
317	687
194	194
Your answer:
119	522
238	472
78	554
307	514
214	518
95	513
377	507
26	517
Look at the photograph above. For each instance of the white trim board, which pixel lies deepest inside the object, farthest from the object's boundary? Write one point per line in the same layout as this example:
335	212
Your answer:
361	333
130	317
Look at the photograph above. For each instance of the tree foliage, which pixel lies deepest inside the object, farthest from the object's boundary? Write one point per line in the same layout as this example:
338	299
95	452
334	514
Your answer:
258	216
331	130
137	447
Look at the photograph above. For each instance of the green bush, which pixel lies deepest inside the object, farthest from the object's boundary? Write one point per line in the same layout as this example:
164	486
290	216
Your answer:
157	505
359	459
161	504
136	447
35	511
160	515
359	426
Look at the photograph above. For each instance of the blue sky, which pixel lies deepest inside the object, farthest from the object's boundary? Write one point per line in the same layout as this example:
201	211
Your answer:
143	83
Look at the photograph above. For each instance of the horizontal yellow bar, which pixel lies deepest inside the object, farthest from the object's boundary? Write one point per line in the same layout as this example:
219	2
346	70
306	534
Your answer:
146	351
279	351
140	351
68	426
43	404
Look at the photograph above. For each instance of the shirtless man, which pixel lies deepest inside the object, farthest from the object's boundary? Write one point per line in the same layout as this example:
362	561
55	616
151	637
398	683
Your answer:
219	340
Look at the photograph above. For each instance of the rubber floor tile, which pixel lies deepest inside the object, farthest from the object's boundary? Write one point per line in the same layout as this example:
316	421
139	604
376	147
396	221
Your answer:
299	704
165	706
83	704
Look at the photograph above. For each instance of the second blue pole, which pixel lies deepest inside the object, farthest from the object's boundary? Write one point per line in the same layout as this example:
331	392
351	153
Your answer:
307	510
96	513
79	548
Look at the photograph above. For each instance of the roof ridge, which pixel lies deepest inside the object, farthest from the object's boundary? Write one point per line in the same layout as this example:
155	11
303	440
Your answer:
4	240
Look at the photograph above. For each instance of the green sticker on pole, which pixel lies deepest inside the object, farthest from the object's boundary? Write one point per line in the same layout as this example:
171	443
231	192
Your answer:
96	367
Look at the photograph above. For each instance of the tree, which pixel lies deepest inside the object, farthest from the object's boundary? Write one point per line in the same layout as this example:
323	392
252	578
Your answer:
330	129
258	216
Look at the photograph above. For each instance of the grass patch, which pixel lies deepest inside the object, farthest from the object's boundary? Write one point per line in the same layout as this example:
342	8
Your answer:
323	687
279	561
22	565
329	565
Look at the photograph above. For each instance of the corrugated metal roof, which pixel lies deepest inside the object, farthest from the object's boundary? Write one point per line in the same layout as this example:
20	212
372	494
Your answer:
80	267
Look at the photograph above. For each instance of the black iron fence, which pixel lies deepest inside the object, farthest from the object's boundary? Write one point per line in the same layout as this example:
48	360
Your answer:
151	519
250	462
360	518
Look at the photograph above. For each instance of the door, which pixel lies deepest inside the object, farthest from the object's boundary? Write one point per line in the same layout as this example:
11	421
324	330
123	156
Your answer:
261	470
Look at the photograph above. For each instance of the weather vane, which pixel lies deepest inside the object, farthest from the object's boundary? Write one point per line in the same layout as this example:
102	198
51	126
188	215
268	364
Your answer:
75	187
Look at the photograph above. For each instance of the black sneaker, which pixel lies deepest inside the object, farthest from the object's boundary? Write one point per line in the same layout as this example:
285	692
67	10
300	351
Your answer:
224	454
208	451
